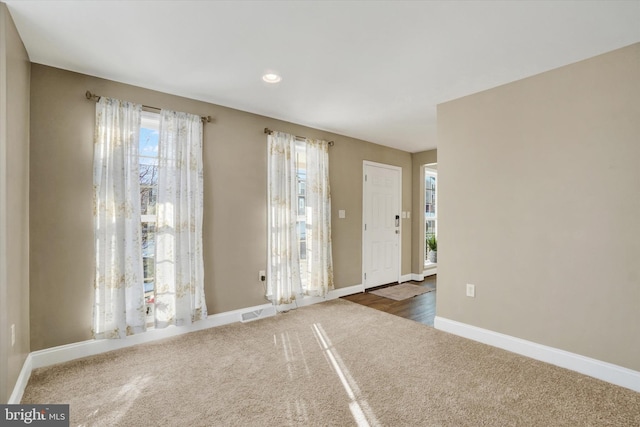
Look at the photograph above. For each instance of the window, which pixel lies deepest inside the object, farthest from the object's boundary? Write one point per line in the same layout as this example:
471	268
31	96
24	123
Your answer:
145	162
301	222
148	161
430	211
299	218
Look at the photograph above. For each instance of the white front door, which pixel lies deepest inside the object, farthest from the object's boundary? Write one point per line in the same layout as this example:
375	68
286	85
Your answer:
381	224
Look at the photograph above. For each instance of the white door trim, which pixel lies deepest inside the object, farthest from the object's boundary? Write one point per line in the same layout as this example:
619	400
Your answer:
366	163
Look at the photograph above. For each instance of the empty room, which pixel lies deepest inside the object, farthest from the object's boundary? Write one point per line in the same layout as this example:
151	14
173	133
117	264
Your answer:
370	213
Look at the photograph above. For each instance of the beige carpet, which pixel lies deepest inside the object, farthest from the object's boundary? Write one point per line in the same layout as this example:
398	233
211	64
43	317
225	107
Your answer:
402	291
331	364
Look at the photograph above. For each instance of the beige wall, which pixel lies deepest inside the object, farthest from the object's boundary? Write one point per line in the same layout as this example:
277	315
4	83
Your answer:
417	215
539	192
62	123
14	203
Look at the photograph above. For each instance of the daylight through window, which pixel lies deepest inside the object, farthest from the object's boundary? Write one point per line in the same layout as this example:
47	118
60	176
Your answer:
430	213
301	222
148	161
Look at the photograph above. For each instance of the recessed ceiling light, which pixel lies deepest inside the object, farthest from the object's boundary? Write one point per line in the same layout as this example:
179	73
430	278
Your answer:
271	78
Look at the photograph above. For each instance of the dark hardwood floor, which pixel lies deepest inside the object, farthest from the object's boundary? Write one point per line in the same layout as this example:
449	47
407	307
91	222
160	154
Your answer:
421	308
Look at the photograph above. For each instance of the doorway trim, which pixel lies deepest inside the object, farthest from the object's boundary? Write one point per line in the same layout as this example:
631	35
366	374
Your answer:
365	164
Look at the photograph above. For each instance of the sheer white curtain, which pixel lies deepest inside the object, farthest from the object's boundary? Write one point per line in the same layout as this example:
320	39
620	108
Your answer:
283	269
119	307
179	276
318	219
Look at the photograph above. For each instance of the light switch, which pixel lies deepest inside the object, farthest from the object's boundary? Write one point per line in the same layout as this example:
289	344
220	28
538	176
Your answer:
408	214
471	290
404	214
342	213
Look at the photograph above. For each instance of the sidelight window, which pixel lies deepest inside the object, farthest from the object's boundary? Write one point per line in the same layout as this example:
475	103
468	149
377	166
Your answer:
430	211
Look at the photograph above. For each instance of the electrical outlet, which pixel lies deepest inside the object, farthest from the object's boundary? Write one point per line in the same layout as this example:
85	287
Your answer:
471	290
13	335
262	276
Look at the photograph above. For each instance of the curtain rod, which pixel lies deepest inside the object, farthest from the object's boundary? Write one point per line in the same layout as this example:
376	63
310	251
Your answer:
300	138
96	98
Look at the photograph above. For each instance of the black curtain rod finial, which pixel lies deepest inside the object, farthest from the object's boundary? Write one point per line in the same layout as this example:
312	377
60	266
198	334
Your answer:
90	95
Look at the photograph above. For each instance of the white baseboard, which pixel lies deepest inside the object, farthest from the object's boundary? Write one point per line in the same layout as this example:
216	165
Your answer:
421	276
21	382
406	278
343	292
333	294
605	371
65	353
418	277
430	271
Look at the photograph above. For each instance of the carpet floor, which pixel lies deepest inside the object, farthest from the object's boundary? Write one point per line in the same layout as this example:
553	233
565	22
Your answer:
330	364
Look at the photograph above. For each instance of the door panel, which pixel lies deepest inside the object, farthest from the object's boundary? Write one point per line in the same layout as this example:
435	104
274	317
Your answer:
381	204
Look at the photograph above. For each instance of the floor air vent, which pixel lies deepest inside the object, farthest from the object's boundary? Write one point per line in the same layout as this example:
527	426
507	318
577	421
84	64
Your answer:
257	314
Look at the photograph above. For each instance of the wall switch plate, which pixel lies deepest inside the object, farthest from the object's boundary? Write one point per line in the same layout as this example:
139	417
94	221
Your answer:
404	214
471	290
13	335
342	214
408	214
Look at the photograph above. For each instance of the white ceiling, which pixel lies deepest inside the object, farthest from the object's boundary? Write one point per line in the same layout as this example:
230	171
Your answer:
373	70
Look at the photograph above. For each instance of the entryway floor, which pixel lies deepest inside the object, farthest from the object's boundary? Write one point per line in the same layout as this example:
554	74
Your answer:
421	308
